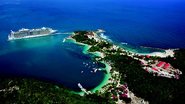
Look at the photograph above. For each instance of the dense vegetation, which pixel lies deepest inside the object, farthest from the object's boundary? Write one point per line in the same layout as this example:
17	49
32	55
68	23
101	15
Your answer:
36	92
83	38
99	46
157	90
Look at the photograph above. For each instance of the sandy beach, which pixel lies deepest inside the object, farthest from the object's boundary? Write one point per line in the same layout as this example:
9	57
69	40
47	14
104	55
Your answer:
169	52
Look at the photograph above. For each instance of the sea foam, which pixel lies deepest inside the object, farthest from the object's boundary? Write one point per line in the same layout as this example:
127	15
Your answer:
102	35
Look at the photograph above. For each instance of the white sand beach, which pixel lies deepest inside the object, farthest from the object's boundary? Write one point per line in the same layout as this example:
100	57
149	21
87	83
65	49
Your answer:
168	52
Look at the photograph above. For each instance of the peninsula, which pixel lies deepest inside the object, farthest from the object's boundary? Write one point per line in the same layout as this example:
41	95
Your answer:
126	66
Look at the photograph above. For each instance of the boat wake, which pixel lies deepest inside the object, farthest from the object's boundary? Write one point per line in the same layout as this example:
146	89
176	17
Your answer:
67	33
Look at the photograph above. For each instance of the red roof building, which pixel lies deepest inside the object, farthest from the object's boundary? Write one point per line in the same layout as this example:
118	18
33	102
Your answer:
114	97
155	69
148	56
166	66
142	63
124	95
160	64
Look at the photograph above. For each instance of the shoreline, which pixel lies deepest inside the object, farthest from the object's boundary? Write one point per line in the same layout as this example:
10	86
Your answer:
162	53
112	56
105	81
168	52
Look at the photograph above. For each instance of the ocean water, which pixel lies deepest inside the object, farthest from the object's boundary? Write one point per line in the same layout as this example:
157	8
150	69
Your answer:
148	23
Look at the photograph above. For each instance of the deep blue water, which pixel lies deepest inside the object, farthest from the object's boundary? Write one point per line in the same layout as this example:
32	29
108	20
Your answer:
150	23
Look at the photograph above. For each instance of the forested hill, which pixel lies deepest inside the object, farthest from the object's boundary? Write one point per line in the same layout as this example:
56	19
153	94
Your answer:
156	90
31	91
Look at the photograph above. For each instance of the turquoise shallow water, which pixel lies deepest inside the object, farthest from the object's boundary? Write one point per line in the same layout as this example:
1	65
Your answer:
156	23
48	58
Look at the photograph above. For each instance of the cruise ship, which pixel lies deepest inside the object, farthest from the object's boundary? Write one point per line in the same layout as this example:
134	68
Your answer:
30	33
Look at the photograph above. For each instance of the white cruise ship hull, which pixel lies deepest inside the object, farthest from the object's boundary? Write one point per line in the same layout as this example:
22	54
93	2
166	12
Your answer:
31	36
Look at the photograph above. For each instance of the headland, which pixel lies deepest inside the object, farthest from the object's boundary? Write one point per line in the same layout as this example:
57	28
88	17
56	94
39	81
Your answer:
118	60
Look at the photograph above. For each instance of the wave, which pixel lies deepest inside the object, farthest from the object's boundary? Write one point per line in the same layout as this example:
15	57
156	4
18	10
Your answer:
102	35
124	43
136	49
160	49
